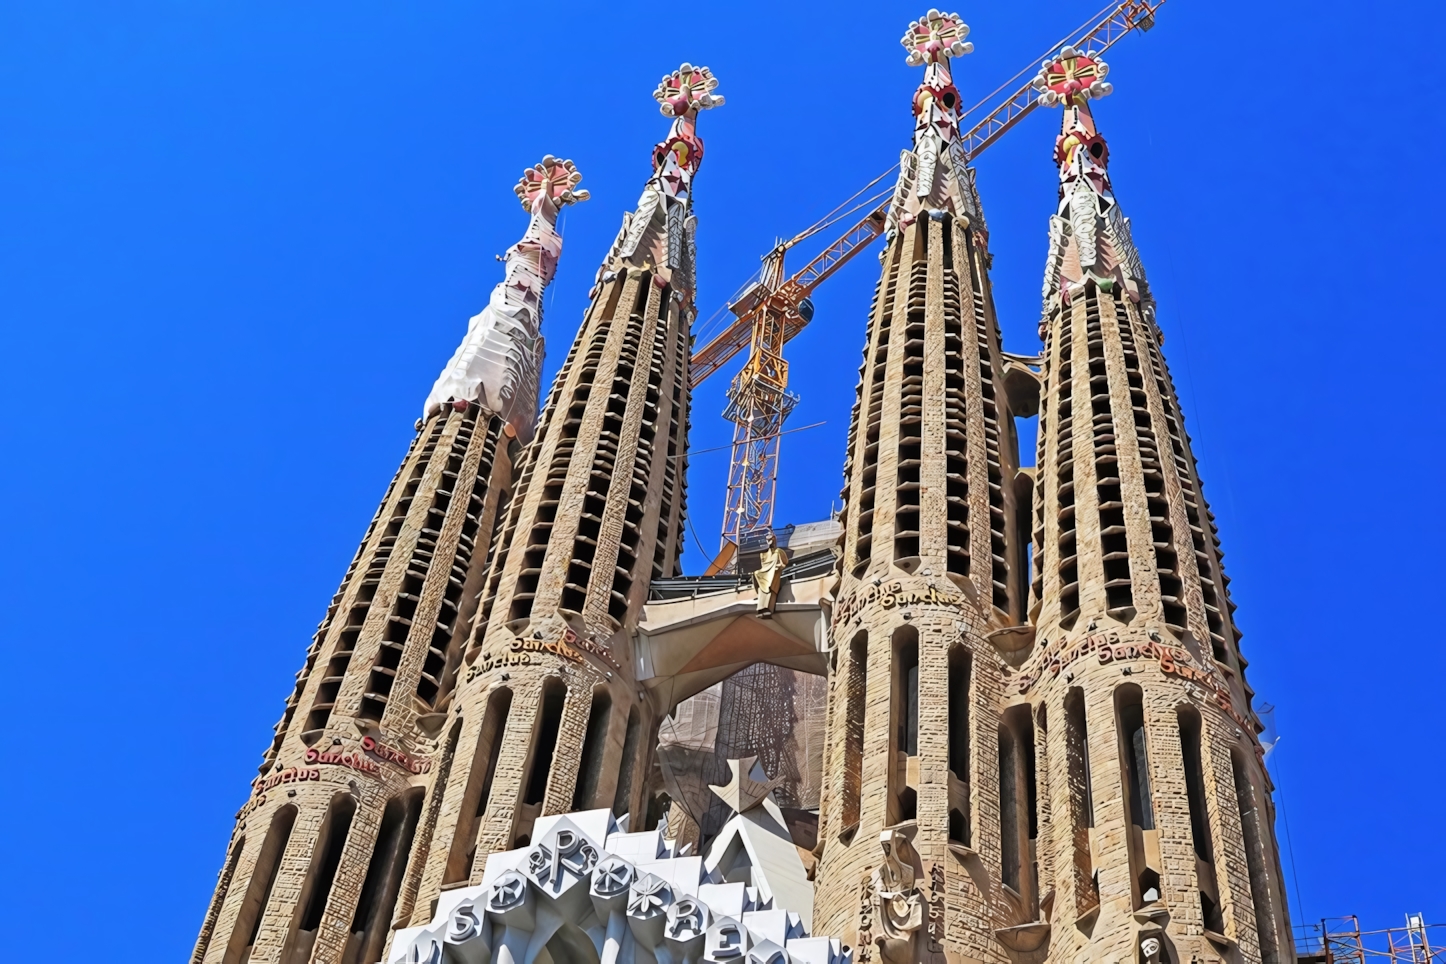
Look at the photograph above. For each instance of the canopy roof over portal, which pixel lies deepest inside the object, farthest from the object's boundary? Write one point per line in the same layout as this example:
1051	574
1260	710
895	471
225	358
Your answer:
708	628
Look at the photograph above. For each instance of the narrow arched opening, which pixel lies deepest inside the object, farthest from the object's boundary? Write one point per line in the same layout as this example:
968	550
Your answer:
258	891
1200	837
479	785
383	881
960	694
316	888
905	711
1018	816
1143	838
549	723
594	750
855	696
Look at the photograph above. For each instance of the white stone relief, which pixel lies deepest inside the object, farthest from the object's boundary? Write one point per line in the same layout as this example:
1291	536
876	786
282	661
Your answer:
633	897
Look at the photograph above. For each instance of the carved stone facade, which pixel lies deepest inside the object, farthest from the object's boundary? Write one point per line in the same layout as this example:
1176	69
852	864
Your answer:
1039	743
587	890
930	569
548	717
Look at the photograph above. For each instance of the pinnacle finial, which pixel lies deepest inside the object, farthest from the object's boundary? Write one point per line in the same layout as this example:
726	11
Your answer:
550	178
687	89
1071	78
935	38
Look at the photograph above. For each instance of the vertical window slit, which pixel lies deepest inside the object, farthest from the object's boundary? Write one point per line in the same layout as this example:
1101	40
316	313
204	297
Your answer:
1199	819
383	881
479	785
316	889
258	891
594	751
1135	759
1018	810
905	700
960	691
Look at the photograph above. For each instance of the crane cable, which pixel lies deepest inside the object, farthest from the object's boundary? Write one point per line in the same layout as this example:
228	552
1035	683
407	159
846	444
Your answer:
704	333
833	217
1087	25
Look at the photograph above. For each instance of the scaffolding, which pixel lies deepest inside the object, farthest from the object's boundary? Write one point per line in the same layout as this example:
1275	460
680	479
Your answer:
1340	940
771	712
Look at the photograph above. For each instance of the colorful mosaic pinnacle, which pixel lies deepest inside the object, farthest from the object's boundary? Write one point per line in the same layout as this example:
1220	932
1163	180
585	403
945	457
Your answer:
554	179
680	96
936	38
934	174
686	90
1072	78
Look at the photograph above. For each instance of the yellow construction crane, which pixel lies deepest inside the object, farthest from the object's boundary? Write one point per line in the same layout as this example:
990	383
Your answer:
776	307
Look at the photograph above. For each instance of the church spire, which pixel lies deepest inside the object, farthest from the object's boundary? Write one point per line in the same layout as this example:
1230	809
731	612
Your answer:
935	174
658	236
547	697
1089	239
499	362
1126	559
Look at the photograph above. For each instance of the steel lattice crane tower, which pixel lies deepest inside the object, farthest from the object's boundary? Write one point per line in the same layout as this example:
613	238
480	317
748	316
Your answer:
777	307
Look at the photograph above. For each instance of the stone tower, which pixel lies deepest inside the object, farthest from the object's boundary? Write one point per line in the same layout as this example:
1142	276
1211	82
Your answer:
319	850
1053	770
1149	794
548	718
909	833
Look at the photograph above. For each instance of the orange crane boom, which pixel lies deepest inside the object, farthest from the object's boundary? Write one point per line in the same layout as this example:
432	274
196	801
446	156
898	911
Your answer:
775	309
786	299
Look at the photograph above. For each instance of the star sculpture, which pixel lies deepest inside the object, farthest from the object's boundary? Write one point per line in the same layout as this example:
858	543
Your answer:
749	786
509	891
613	876
649	895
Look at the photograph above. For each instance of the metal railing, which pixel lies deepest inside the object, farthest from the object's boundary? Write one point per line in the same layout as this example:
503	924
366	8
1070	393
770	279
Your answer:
1340	940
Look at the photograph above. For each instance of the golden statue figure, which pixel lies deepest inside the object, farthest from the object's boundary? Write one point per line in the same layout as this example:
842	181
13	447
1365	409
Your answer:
768	577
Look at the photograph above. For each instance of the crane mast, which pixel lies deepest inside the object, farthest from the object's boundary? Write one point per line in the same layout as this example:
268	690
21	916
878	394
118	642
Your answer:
777	307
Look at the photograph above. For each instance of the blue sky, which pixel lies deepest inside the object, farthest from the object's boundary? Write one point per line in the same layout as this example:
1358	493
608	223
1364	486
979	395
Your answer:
239	240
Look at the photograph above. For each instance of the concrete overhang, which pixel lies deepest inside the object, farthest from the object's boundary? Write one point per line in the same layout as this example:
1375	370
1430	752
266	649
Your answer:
686	645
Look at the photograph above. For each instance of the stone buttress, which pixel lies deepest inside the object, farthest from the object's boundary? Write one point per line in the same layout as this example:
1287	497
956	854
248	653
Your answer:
318	855
548	718
910	848
1152	803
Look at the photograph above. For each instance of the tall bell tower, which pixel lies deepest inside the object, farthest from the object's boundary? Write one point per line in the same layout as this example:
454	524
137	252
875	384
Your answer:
929	568
1161	839
548	718
317	857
